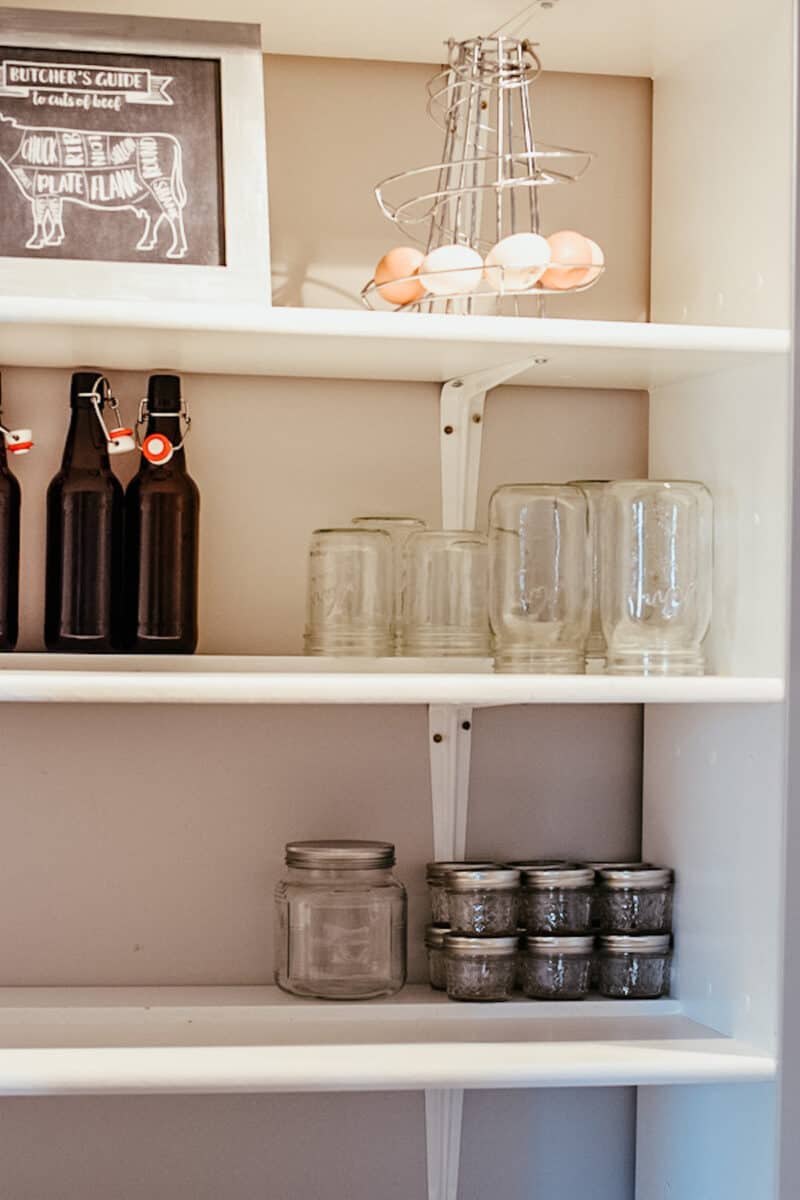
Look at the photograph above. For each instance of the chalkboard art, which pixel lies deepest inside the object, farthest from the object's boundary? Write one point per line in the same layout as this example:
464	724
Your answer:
110	157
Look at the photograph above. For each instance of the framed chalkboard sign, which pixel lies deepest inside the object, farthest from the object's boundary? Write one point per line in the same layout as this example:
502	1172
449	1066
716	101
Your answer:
132	158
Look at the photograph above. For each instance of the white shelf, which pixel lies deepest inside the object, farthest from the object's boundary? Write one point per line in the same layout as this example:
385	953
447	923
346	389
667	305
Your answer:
132	679
122	1040
340	344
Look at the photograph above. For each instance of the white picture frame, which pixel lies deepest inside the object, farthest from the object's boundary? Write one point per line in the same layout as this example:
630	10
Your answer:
244	277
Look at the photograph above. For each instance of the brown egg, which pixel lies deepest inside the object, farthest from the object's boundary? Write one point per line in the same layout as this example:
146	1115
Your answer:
400	263
598	262
572	254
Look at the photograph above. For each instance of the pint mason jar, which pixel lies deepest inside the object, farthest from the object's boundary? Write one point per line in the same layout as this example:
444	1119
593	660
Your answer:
340	921
539	578
657	558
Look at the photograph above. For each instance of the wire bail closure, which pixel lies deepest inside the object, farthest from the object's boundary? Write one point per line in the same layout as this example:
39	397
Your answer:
119	440
156	447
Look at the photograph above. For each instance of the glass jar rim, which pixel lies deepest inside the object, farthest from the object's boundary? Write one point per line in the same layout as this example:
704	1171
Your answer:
340	855
634	943
494	879
574	944
491	947
572	875
436	871
643	878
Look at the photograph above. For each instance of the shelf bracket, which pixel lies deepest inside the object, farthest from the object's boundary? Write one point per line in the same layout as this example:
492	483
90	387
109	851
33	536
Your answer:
450	733
461	428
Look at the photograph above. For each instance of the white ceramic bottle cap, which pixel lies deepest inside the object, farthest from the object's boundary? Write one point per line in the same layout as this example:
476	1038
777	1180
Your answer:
157	449
121	441
19	441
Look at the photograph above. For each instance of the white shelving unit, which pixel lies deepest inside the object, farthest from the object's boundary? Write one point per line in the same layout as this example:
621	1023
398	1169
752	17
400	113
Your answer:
715	364
140	1040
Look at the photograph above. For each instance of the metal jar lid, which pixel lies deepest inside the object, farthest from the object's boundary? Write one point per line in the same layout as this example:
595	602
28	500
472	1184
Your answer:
530	864
634	943
568	875
618	866
435	935
488	947
542	944
489	879
340	855
436	871
639	878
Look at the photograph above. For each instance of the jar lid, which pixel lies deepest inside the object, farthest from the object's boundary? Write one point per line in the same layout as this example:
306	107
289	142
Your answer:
618	866
632	943
435	935
491	947
580	944
645	877
492	879
340	855
569	875
436	871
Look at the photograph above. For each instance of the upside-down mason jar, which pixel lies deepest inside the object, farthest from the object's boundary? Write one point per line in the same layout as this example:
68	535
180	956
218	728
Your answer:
480	968
434	943
633	966
539	578
656	567
340	921
634	899
350	601
594	491
556	968
557	899
483	902
445	597
399	529
436	873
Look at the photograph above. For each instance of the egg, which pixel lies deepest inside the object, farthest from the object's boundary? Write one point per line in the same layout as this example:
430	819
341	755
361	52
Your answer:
597	260
570	250
400	264
523	257
449	270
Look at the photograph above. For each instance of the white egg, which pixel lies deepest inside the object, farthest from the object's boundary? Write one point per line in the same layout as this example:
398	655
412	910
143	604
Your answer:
449	270
524	258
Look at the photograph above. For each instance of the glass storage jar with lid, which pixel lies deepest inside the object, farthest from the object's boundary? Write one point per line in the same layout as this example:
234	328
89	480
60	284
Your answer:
634	899
436	873
556	968
483	902
340	921
633	966
557	899
434	941
480	968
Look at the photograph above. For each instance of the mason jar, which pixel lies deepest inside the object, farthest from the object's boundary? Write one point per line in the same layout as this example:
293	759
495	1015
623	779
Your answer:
340	921
597	867
435	874
434	942
634	899
556	968
557	899
633	966
483	902
480	968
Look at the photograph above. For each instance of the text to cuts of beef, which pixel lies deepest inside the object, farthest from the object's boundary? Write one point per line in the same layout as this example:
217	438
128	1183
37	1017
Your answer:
110	157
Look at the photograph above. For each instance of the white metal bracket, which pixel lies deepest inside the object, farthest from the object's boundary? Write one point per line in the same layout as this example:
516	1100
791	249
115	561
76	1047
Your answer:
443	1112
461	412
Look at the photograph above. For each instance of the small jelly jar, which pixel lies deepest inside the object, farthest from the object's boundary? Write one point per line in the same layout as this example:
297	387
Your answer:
557	899
634	899
480	969
597	867
435	874
633	967
483	902
556	968
434	941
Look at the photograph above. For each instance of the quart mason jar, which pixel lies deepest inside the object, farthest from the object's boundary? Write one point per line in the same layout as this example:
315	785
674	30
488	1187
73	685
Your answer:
539	578
340	921
594	490
657	558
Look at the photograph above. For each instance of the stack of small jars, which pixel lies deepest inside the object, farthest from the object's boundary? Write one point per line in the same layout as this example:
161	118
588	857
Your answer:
554	928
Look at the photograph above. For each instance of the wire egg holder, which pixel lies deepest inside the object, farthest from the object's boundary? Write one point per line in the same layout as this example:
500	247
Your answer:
482	102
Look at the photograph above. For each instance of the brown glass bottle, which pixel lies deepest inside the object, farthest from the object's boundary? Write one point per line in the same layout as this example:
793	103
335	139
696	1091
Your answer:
9	552
162	507
83	598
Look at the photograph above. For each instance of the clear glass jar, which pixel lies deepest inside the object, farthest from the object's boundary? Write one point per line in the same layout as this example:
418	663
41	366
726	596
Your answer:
657	558
445	599
633	967
340	921
436	873
557	899
434	941
399	529
556	968
480	968
350	602
597	867
539	578
594	490
634	899
483	903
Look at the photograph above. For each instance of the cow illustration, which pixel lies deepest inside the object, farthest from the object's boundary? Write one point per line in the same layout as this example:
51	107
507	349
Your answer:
139	172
